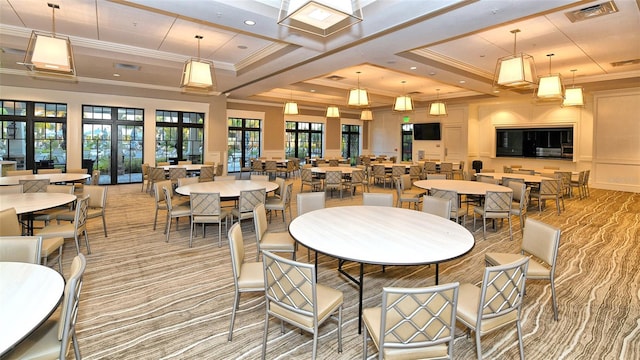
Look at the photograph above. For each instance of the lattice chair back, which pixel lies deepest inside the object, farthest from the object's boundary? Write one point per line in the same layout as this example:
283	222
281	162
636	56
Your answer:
34	186
250	198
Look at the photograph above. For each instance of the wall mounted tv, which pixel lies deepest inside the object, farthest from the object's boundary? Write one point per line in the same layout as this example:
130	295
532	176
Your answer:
426	131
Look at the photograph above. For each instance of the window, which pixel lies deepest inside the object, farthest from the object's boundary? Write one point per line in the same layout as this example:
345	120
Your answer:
179	136
34	134
303	139
350	142
112	142
554	143
243	142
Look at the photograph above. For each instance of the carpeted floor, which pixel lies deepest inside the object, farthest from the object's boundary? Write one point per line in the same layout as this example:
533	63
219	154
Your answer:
144	298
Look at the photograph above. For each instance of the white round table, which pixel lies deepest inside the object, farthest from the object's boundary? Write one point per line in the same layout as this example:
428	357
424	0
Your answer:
29	293
53	178
461	186
381	235
525	177
343	169
227	188
29	202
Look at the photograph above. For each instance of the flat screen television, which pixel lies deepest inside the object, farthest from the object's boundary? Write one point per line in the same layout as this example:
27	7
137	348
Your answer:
426	131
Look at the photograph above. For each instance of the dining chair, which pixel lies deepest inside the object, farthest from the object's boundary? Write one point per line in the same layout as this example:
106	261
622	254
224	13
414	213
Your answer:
496	303
11	189
585	183
97	206
20	249
293	296
158	194
429	167
436	206
452	196
578	184
274	204
377	199
565	183
549	190
540	244
358	178
458	174
206	209
416	323
497	205
271	168
207	173
397	171
520	206
404	192
163	163
19	172
247	276
156	174
242	168
307	202
95	177
507	180
246	202
53	339
268	240
436	176
175	174
145	176
34	186
307	179
255	177
257	167
277	192
49	171
287	169
49	214
380	175
333	181
447	169
10	226
185	162
414	172
71	230
173	211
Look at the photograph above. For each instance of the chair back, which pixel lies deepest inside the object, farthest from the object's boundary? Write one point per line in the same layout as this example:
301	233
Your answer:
176	173
498	202
415	171
95	177
260	177
256	165
205	204
167	197
80	218
185	162
207	173
236	247
49	171
307	202
436	176
377	199
446	167
357	177
436	206
333	162
524	171
278	180
306	175
157	190
156	174
398	170
518	188
378	170
290	285
70	304
250	198
271	166
549	187
450	195
188	180
415	318
9	223
34	186
11	189
333	178
19	172
487	179
260	222
506	181
429	167
502	290
20	249
541	240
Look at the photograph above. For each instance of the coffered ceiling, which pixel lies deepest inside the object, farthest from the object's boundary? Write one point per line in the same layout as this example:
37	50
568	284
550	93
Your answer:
450	45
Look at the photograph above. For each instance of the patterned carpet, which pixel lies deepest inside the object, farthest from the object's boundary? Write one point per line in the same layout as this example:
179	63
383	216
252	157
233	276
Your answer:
144	298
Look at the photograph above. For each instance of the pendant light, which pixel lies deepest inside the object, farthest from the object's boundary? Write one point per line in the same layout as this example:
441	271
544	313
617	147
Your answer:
333	111
358	97
366	115
573	96
197	73
516	70
550	88
291	107
404	102
438	108
49	53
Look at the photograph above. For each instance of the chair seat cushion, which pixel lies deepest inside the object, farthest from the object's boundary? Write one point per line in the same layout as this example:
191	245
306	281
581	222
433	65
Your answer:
277	241
63	230
43	343
251	276
328	301
49	245
372	318
536	270
213	219
467	310
180	210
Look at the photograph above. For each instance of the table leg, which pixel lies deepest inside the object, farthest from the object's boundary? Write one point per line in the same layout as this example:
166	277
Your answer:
437	273
358	282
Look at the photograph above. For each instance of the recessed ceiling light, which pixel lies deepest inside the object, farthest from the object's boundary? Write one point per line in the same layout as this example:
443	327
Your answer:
432	73
249	22
462	82
312	90
242	47
413	67
116	75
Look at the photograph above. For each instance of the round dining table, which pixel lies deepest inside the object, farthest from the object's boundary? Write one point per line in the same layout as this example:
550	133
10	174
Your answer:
29	293
462	187
344	169
53	178
228	189
381	236
537	179
25	203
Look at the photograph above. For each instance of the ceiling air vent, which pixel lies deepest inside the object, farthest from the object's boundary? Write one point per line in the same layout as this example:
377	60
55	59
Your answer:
591	12
625	62
335	78
126	66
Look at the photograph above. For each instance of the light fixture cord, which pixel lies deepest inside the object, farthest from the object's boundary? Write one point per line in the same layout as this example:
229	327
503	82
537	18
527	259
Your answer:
53	17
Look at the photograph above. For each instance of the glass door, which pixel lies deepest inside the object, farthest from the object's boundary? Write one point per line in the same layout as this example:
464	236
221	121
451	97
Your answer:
129	160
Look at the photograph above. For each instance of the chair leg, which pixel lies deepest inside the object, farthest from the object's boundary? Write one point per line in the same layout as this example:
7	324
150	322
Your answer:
478	346
104	225
86	241
264	336
520	339
553	298
236	299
